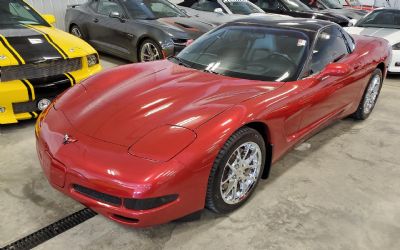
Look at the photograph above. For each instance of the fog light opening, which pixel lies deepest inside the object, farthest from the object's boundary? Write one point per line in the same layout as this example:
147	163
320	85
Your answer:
124	219
43	104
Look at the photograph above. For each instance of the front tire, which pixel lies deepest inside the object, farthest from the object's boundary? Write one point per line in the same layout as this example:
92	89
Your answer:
236	171
149	51
76	31
370	96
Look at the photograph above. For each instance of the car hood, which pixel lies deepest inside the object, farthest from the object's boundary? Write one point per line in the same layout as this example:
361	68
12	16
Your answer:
124	104
192	26
349	13
324	15
392	35
31	44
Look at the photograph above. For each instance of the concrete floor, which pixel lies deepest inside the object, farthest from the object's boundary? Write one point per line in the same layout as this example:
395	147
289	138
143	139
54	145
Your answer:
340	190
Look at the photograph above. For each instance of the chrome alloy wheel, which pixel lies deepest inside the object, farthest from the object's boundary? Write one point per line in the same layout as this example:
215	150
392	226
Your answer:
241	173
76	32
372	94
149	52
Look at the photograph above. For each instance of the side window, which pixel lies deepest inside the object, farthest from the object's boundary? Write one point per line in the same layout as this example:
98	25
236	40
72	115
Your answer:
329	47
349	40
206	5
107	6
273	5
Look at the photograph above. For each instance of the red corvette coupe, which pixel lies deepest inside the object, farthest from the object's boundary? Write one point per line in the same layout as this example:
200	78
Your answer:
149	143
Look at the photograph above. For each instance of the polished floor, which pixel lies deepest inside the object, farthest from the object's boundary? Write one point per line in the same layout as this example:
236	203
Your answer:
339	190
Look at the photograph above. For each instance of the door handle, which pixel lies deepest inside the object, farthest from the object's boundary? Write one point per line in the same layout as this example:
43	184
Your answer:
95	20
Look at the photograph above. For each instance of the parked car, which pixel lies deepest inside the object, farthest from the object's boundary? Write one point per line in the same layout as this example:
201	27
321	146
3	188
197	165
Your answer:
37	61
382	23
296	8
221	11
137	30
145	144
365	5
333	6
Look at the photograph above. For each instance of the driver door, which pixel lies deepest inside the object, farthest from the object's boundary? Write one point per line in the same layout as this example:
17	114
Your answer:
109	33
327	96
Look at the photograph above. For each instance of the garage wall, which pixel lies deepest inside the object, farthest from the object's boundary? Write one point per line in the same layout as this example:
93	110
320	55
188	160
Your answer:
55	7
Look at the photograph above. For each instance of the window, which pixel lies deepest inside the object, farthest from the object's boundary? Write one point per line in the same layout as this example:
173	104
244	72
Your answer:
274	5
330	47
381	19
206	5
17	12
107	6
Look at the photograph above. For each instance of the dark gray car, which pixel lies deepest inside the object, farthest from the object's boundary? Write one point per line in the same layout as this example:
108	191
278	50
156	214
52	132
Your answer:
333	6
137	30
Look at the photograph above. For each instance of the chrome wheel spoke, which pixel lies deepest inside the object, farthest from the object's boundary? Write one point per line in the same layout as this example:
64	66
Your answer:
372	94
241	172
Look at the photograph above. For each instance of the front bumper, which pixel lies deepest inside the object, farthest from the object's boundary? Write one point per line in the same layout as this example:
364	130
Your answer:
108	171
19	98
394	66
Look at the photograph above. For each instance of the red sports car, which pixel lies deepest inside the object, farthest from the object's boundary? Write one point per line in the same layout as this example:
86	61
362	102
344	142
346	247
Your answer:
149	143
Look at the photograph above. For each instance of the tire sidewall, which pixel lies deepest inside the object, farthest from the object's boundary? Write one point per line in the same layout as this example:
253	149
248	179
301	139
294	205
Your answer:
360	114
230	146
80	31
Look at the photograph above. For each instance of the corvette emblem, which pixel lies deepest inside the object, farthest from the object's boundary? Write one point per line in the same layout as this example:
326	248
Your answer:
68	139
3	57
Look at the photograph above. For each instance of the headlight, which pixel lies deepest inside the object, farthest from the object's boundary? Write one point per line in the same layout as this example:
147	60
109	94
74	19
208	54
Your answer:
153	145
92	60
396	46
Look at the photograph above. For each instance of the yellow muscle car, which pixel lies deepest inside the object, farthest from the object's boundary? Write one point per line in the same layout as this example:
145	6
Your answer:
37	61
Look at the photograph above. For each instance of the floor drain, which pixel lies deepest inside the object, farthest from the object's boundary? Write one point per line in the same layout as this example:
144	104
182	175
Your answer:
51	230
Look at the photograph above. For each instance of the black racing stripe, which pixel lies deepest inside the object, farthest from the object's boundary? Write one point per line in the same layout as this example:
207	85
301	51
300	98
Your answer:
50	87
29	89
32	114
31	52
10	50
51	40
73	79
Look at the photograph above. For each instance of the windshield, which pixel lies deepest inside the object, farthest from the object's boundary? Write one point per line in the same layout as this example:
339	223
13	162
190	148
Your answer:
332	4
381	19
17	12
296	5
248	52
242	7
152	9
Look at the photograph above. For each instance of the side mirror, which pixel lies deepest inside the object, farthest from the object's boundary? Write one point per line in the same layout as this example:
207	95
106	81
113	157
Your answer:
219	11
334	69
115	14
51	19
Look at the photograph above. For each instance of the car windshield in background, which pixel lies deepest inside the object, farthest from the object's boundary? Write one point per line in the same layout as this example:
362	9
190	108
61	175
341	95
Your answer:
248	52
381	19
296	5
332	4
243	7
152	9
17	12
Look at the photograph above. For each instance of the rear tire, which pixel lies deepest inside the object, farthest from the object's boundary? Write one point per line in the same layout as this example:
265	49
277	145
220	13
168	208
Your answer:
236	171
370	96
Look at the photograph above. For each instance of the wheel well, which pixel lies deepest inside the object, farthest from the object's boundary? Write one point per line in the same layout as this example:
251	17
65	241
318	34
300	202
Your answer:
263	129
382	67
139	42
70	26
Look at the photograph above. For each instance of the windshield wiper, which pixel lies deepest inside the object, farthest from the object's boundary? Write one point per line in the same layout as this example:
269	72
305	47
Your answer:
180	61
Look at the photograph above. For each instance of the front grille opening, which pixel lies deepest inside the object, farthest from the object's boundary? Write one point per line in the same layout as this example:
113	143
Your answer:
106	198
125	219
38	70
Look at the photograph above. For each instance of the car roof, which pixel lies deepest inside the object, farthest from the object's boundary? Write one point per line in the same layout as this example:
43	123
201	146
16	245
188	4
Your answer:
305	24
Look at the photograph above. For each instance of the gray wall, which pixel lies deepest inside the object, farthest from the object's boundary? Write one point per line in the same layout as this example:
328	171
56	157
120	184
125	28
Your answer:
55	7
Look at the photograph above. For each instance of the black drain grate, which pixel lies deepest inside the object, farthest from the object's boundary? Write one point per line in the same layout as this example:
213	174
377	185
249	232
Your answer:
51	230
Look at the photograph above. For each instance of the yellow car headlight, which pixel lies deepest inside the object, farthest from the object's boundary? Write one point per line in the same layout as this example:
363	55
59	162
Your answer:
92	60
